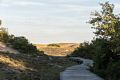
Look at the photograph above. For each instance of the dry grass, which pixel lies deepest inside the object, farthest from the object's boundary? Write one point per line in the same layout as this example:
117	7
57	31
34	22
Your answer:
13	63
63	50
26	67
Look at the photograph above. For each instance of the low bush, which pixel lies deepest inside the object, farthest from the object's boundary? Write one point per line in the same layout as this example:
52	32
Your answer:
54	45
23	45
85	50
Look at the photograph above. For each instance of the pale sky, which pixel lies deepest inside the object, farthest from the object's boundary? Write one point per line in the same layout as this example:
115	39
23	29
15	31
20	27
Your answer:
51	21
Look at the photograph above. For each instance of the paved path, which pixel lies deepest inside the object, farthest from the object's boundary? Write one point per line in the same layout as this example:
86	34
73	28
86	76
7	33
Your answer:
79	72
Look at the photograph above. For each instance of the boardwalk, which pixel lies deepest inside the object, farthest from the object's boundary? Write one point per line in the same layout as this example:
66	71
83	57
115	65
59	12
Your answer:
79	72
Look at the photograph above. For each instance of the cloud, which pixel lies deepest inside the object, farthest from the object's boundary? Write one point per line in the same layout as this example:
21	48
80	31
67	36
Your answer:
6	3
48	19
68	3
23	3
117	5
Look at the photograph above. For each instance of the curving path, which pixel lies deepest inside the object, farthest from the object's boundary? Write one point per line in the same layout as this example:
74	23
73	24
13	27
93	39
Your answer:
79	72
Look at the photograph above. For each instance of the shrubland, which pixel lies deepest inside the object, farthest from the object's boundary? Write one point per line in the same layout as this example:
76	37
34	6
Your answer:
28	67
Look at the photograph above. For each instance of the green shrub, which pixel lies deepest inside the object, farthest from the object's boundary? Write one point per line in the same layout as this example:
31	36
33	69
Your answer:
113	71
22	45
85	50
54	45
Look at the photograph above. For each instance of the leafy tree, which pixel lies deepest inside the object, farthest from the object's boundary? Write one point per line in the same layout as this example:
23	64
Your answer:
107	50
105	47
106	22
107	26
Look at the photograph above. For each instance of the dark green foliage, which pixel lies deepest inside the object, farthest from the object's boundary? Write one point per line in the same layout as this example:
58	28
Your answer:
22	45
85	50
102	56
113	71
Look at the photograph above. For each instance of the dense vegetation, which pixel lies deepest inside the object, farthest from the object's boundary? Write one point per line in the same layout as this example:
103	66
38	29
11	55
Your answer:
85	50
104	49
